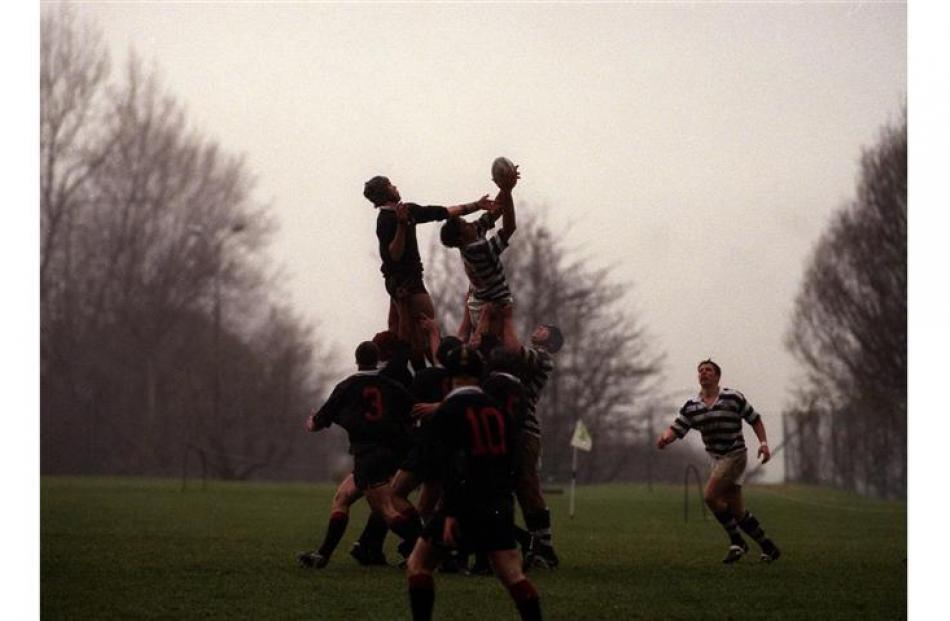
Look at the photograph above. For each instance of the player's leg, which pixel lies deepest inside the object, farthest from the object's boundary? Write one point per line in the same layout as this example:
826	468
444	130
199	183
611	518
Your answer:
346	494
483	325
368	549
509	336
537	517
506	565
750	525
423	560
400	515
716	495
424	327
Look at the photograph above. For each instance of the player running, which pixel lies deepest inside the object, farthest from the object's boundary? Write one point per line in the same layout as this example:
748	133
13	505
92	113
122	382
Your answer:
375	412
410	304
473	440
718	414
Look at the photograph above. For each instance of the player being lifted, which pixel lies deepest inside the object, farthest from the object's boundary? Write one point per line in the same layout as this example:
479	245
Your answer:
718	414
410	305
488	295
473	440
375	411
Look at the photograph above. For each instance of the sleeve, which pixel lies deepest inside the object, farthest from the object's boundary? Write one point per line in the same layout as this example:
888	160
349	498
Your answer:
484	224
429	213
331	409
746	411
681	425
497	244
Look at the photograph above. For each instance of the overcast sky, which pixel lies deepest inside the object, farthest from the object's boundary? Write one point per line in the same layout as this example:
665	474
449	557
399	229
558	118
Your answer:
700	149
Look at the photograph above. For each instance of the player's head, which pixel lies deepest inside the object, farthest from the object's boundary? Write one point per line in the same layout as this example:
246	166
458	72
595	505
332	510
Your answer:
447	344
503	360
367	355
548	337
379	191
709	373
456	232
386	341
464	363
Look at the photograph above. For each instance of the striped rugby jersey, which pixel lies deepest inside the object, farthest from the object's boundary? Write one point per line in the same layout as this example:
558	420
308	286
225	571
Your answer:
482	259
720	425
536	368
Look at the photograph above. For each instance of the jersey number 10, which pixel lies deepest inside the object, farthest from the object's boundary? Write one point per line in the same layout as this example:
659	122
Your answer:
487	437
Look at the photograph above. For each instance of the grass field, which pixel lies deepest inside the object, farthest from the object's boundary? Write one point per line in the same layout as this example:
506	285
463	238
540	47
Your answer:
130	548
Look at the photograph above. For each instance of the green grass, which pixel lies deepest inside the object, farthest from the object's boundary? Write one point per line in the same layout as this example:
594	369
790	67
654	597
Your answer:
133	548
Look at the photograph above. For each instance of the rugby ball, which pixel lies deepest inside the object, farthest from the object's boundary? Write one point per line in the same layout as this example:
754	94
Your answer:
502	168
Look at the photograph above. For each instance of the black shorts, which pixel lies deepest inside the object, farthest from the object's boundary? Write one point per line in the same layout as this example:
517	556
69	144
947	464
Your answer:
376	466
418	459
401	286
485	527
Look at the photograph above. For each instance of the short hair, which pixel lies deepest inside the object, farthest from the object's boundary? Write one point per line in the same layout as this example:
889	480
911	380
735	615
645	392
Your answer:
451	232
555	340
712	364
367	355
464	360
447	344
376	190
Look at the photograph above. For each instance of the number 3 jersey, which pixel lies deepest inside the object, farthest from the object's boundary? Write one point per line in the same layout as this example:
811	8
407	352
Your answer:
372	408
474	441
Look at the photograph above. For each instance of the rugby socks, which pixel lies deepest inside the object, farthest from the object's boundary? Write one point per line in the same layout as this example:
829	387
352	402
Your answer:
374	533
539	523
523	537
752	528
422	596
408	526
335	530
729	524
526	599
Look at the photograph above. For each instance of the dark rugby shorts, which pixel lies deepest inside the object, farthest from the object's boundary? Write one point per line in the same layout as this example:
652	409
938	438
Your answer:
485	527
401	286
374	467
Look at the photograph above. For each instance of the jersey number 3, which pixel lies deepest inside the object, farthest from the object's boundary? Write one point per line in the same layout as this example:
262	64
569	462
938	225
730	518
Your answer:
488	431
374	402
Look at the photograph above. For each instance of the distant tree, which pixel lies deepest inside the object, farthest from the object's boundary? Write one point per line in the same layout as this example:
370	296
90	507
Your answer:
608	372
159	336
849	329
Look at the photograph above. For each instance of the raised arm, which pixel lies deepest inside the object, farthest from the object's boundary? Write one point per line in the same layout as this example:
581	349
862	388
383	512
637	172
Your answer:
504	197
463	210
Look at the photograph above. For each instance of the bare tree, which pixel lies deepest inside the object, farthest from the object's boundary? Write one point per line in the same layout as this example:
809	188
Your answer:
159	334
850	328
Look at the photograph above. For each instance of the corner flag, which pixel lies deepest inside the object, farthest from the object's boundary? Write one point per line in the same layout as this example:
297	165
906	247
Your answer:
581	438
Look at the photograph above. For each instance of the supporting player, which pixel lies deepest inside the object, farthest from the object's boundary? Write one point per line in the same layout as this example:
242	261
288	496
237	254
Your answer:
718	414
536	366
473	440
410	303
488	295
375	411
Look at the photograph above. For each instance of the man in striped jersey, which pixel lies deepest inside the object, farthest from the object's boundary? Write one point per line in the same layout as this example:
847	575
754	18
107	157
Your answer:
488	291
718	414
537	364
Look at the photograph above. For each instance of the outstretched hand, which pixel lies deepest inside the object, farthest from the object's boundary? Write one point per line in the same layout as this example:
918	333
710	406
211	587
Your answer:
485	203
509	182
311	421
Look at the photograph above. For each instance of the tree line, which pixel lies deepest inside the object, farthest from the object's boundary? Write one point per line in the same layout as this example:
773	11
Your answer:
161	329
848	426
